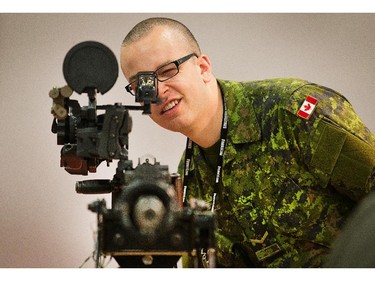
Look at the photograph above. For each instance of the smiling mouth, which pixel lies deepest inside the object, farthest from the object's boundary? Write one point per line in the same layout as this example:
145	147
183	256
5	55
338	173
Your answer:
170	105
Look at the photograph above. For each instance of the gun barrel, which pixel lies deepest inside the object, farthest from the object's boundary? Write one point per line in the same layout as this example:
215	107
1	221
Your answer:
94	186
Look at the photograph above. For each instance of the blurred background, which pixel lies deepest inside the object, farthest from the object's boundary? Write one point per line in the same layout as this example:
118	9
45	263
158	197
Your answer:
43	221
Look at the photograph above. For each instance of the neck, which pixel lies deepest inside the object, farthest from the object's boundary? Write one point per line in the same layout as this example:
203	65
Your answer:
209	133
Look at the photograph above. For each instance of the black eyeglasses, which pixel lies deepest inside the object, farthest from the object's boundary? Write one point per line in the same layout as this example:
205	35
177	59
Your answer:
163	73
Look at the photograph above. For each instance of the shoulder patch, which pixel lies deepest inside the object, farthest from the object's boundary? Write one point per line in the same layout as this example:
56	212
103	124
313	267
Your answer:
307	107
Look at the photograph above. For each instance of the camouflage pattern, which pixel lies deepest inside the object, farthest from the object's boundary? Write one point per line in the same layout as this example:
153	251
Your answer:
288	183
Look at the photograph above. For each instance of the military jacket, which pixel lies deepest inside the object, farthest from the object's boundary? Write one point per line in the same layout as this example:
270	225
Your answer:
289	180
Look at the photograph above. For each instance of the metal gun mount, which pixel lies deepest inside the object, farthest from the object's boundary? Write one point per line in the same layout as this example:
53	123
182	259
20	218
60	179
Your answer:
147	226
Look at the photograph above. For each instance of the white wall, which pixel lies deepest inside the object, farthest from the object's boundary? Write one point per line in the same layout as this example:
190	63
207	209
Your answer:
43	222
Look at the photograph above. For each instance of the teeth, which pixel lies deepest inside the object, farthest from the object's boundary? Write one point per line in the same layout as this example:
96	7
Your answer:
170	105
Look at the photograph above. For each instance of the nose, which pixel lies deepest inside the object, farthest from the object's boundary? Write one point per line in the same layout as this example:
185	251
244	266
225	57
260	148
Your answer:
162	90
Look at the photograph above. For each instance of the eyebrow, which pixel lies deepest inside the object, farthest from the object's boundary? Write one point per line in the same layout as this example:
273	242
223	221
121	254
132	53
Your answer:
132	78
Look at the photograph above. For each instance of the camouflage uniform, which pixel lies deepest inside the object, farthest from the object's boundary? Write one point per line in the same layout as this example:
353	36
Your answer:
288	183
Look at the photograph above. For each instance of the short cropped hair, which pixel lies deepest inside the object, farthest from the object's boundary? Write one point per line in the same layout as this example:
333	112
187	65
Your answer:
144	27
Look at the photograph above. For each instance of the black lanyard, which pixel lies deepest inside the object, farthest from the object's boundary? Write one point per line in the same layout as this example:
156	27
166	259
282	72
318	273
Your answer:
189	154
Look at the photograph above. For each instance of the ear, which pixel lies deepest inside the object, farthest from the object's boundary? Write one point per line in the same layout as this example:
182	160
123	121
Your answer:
206	68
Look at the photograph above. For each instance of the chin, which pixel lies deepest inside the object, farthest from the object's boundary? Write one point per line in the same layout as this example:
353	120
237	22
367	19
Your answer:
171	128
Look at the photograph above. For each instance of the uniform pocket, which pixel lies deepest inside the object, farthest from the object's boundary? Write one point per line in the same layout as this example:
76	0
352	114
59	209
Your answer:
343	160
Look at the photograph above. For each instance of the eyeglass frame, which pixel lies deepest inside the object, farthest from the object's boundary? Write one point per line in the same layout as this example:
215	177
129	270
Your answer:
177	63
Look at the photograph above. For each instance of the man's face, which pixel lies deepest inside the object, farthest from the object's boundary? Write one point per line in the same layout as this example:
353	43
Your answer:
182	96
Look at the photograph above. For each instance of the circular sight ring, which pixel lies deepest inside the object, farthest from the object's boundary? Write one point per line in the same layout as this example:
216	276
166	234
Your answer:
90	65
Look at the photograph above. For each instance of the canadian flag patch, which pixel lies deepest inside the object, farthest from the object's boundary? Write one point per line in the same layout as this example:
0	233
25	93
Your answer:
307	107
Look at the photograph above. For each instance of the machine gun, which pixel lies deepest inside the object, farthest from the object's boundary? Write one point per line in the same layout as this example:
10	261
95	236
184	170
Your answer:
147	226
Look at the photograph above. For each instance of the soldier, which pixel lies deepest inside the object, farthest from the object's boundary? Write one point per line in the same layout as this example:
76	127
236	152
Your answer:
282	162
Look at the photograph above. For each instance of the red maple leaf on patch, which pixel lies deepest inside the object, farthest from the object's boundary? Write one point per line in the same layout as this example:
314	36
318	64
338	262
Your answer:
307	107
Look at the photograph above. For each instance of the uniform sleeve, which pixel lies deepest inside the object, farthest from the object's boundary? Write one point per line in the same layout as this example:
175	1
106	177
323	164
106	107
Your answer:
344	160
341	148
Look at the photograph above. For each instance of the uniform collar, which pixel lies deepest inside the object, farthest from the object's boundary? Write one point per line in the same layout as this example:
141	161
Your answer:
242	123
